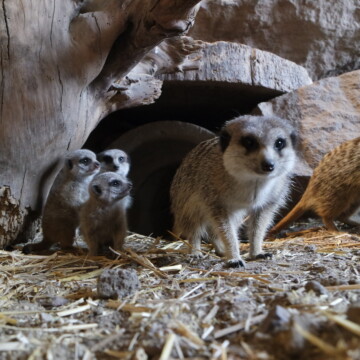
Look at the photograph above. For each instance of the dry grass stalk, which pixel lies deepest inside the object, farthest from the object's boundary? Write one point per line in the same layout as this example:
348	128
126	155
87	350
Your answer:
347	324
322	345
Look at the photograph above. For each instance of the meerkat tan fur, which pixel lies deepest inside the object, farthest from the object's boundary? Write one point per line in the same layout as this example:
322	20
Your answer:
103	217
114	160
333	191
243	173
68	193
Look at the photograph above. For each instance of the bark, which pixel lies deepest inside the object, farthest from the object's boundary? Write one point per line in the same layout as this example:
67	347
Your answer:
64	66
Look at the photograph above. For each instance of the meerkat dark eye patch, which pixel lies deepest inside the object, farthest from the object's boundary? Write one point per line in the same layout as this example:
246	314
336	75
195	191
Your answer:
85	161
224	140
279	144
97	189
107	159
115	183
121	159
249	143
70	164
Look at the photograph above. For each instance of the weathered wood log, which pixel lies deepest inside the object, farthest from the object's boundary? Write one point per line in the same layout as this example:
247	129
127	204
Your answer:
63	68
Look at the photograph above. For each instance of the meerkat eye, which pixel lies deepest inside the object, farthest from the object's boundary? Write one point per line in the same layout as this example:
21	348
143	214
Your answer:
280	143
85	161
115	183
97	189
107	159
121	159
249	143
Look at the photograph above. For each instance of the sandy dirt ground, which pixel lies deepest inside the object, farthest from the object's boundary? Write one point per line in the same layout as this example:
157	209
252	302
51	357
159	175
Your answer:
154	301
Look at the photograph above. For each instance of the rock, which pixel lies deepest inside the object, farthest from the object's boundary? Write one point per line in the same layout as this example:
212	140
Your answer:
316	287
117	283
326	113
319	35
232	63
228	72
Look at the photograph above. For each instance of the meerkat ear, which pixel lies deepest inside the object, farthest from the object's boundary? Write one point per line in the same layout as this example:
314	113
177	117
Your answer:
97	189
224	139
70	164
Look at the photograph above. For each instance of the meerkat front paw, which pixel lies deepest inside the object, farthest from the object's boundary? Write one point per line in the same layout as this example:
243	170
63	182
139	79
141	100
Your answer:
197	255
236	263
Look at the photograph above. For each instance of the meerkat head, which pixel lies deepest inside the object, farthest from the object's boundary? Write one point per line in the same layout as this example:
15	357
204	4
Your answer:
82	163
261	146
109	187
114	160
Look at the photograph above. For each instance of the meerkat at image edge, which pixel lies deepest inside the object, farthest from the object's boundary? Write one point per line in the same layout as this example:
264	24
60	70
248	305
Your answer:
333	191
68	193
103	217
243	173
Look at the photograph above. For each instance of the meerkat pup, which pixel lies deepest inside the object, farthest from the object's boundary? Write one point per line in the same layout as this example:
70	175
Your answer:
68	193
103	217
243	173
114	160
334	188
118	161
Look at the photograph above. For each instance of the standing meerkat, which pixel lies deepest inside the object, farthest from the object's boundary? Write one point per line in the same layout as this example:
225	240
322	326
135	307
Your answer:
68	193
103	217
334	187
245	172
118	161
114	160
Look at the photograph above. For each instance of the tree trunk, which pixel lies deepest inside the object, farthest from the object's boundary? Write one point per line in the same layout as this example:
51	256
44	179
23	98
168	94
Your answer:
63	68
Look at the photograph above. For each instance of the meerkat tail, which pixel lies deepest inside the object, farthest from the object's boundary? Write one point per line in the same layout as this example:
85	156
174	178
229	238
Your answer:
293	215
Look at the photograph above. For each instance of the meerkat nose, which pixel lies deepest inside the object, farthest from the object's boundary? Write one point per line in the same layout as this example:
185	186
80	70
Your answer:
116	168
268	165
96	164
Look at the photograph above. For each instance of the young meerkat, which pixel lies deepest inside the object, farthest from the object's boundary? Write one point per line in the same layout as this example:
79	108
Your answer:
118	161
103	217
68	193
114	160
333	191
243	173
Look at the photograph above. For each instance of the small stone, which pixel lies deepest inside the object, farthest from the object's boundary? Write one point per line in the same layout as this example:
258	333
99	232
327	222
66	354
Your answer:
316	287
117	283
310	248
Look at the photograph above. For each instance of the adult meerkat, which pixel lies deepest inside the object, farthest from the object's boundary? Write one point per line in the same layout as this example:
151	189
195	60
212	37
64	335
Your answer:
103	216
68	193
334	188
114	160
245	172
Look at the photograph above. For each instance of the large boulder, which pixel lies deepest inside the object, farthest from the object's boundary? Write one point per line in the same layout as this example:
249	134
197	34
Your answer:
320	35
326	113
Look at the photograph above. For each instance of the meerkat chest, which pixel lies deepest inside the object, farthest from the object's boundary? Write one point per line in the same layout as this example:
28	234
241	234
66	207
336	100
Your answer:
251	194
